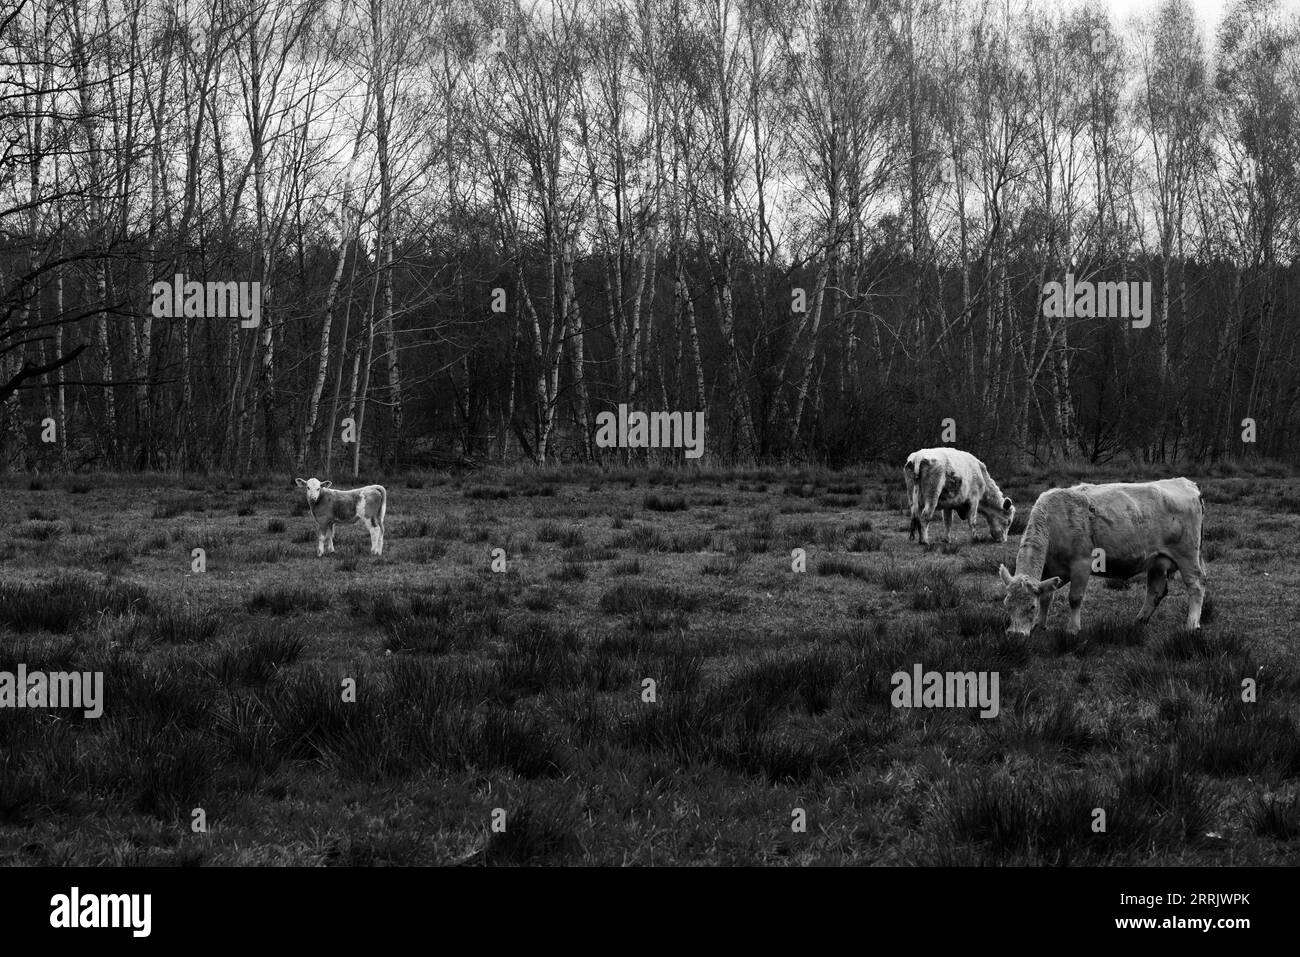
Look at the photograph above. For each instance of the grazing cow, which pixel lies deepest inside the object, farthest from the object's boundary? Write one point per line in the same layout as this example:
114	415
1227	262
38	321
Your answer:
332	507
1118	530
954	481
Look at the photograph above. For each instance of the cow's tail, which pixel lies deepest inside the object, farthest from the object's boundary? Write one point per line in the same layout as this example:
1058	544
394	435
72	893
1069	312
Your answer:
1200	552
383	505
914	529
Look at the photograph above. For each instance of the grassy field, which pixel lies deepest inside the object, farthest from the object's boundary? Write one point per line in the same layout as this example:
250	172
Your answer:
522	690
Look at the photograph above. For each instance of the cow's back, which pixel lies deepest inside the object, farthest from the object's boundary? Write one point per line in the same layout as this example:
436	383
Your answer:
1146	503
1130	522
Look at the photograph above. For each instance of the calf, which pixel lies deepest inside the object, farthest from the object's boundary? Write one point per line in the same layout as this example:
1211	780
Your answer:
954	481
1117	531
330	507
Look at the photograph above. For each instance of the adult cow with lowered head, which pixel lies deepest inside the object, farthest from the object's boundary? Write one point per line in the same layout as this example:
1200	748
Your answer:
1117	530
954	481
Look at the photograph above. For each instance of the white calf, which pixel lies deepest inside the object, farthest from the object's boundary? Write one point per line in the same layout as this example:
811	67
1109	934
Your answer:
330	507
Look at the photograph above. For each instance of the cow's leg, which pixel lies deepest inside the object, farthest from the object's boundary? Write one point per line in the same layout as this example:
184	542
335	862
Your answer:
1194	575
1194	603
373	527
927	513
320	540
1079	573
1044	606
947	525
329	538
1157	587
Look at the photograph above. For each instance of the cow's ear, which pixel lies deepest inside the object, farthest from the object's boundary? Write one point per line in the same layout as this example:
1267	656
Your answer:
326	484
301	483
1004	574
1050	585
1006	505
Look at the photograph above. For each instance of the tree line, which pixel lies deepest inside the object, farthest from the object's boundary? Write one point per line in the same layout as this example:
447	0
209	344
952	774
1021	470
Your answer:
827	225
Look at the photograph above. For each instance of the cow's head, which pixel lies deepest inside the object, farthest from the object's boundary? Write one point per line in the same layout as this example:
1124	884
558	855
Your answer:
313	487
1022	597
1000	520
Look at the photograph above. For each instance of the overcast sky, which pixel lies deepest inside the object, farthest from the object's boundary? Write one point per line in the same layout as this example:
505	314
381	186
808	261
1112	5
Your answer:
1210	11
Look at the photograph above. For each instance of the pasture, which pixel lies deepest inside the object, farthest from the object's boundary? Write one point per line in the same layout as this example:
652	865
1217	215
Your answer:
522	689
